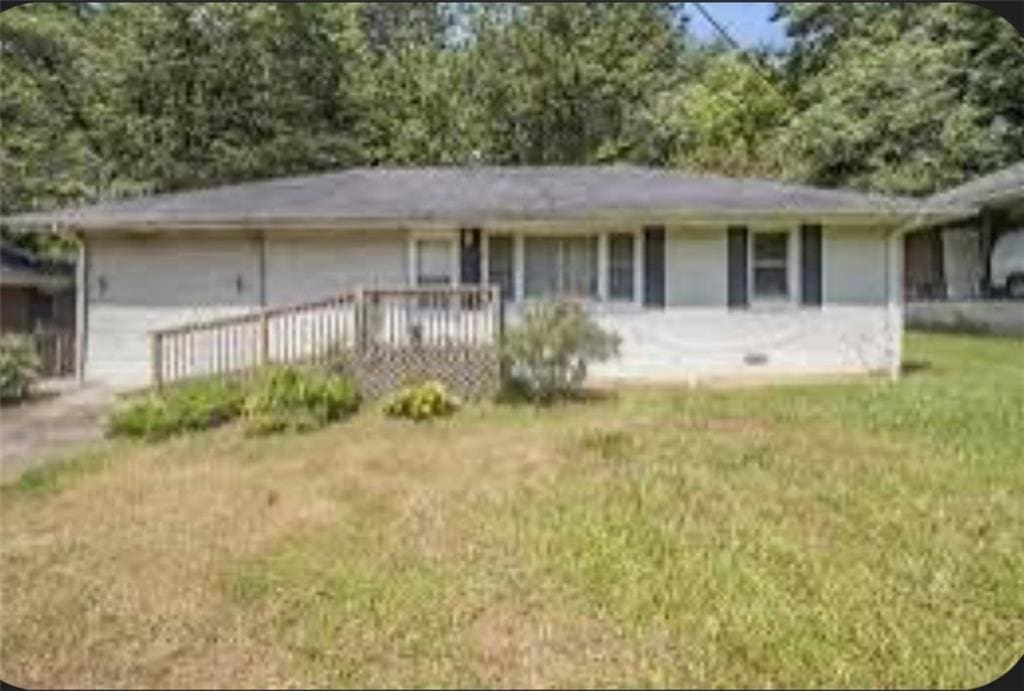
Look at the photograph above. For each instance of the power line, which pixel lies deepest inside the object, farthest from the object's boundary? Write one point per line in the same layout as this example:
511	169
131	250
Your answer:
731	41
718	27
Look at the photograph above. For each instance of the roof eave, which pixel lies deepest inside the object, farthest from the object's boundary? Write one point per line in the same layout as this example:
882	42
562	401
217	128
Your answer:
916	217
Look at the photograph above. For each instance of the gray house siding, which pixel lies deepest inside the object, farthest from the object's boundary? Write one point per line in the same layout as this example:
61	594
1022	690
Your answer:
697	335
302	267
142	282
138	283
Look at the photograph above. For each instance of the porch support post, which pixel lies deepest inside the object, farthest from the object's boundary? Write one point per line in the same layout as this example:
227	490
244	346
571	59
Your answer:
602	267
81	294
519	266
894	301
638	269
263	268
993	223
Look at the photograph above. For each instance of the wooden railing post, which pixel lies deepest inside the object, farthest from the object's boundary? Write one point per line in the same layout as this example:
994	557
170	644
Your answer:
58	356
498	309
359	317
264	336
156	363
446	322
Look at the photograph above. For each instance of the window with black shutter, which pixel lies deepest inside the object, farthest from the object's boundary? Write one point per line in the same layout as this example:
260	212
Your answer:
620	266
810	265
654	266
737	261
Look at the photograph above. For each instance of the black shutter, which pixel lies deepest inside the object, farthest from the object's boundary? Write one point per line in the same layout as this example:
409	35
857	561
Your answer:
469	253
810	265
654	266
737	258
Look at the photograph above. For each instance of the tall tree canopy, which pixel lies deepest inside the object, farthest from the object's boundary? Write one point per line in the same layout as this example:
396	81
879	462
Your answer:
99	100
570	83
728	118
219	92
903	98
49	151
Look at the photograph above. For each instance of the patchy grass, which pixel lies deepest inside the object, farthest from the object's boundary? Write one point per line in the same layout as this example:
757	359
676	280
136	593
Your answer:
58	475
863	534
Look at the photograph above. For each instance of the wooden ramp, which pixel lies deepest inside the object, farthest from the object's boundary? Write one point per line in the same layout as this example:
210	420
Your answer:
383	337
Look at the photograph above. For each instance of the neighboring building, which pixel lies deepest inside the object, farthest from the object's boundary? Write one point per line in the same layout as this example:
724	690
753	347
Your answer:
37	297
701	276
951	261
35	294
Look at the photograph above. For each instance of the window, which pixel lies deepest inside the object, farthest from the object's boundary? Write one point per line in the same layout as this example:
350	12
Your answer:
433	262
770	266
500	267
620	266
560	266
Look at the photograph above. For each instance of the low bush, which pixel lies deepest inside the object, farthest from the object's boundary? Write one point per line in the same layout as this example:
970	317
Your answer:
181	408
19	366
280	399
288	399
421	401
547	354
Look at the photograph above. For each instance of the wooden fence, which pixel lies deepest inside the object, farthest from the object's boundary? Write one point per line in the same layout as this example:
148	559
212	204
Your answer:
383	337
56	351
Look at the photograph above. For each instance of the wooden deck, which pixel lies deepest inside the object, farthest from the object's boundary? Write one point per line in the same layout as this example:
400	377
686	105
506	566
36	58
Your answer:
383	337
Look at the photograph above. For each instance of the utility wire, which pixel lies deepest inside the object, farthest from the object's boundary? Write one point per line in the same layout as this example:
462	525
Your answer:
718	27
732	42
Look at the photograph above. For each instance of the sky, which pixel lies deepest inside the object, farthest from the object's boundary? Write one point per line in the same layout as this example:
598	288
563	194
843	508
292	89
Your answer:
747	22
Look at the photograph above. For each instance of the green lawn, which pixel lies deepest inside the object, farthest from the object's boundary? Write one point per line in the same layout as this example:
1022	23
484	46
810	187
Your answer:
862	534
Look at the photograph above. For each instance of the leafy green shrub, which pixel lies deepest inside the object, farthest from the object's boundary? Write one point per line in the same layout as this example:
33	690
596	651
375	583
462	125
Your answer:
187	407
421	401
546	355
19	366
288	399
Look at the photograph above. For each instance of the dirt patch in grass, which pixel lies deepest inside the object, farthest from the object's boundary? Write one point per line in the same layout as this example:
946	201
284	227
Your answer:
538	645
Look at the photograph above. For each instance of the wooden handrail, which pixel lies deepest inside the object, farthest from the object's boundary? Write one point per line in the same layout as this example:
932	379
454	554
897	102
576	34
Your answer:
253	316
362	321
340	297
426	290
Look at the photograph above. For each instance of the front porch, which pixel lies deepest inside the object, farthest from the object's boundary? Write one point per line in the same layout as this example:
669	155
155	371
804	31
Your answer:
384	337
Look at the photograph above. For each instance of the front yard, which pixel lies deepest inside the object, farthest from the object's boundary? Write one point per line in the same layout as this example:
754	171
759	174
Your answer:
860	534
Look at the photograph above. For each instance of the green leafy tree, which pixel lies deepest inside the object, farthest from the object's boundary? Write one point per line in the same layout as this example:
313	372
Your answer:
726	120
48	150
569	83
221	92
411	104
902	98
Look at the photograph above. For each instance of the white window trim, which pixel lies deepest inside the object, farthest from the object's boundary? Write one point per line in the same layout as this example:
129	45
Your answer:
603	262
519	266
792	268
638	266
453	257
638	273
589	235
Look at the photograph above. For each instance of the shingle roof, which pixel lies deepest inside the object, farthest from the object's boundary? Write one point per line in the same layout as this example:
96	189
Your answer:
469	194
996	188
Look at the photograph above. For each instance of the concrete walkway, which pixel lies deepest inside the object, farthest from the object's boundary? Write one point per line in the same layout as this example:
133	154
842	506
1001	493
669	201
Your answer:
61	419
